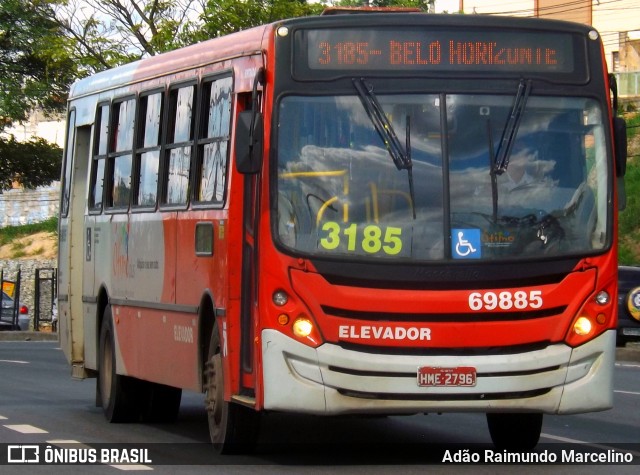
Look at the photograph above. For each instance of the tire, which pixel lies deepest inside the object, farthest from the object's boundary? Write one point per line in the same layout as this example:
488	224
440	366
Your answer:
117	393
520	432
233	428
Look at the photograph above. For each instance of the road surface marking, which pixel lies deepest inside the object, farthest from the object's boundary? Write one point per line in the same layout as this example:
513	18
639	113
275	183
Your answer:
635	393
14	361
589	444
26	429
132	467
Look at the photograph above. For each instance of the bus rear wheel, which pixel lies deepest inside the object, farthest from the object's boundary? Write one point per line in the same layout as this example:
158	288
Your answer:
519	431
232	428
117	393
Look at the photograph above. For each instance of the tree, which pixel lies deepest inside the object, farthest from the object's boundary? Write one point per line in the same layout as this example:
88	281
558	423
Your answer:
108	33
425	5
30	164
34	66
222	17
36	73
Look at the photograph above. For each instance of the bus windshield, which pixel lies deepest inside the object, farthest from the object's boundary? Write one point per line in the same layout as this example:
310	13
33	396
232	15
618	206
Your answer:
340	194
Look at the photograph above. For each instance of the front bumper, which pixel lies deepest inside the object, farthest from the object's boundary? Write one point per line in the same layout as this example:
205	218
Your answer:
333	380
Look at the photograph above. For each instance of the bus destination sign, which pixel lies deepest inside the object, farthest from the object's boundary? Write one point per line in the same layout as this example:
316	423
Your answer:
379	49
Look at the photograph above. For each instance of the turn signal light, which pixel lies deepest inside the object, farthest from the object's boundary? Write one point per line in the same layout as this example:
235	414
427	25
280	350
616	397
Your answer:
283	319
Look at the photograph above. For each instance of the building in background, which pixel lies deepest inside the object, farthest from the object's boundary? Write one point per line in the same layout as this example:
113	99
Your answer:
20	206
38	125
618	22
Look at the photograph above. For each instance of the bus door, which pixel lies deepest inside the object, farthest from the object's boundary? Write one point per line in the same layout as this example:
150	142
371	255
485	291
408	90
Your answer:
249	156
96	231
72	235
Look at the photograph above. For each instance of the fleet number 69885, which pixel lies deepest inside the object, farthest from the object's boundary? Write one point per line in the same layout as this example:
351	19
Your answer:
506	300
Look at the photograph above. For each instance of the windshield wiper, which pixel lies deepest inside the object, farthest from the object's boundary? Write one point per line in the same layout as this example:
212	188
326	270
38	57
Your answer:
401	157
510	131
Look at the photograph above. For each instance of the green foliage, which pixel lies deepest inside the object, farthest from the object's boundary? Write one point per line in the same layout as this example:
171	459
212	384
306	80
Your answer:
222	17
629	220
11	233
630	217
422	4
109	33
32	164
34	65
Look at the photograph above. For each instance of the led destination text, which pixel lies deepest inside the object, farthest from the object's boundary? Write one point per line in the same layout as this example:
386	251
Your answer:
409	53
371	49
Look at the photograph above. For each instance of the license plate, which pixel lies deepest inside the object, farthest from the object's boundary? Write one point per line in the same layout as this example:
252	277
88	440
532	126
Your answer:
459	376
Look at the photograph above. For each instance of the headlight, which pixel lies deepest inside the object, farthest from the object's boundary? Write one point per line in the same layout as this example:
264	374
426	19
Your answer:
302	327
280	298
582	326
602	298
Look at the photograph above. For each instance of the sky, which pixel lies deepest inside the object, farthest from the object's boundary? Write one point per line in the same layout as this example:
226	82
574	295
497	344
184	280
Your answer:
447	5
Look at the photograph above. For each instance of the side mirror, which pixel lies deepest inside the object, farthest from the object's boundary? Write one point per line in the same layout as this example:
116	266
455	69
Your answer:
249	133
620	137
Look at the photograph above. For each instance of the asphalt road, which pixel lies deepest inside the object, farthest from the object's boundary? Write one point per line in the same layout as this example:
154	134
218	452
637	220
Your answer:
40	404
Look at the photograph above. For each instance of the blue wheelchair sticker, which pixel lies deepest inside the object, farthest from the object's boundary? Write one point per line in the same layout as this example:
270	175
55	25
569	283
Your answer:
466	244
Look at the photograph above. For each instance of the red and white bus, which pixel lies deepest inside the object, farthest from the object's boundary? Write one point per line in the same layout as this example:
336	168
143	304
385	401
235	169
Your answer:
348	214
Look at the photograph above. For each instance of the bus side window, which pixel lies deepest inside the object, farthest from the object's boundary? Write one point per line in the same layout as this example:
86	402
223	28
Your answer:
179	144
148	149
120	157
99	157
214	140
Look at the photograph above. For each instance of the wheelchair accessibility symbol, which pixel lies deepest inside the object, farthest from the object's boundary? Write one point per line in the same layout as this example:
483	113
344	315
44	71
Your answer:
466	244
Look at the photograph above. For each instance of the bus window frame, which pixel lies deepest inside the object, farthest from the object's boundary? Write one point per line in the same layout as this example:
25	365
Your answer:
140	149
168	144
200	140
96	157
113	154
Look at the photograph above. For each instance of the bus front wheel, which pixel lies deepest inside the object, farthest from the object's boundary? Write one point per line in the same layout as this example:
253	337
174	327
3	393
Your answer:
232	428
519	431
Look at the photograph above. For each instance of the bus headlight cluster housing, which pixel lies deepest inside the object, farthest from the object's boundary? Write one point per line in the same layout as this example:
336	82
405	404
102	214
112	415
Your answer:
292	319
594	318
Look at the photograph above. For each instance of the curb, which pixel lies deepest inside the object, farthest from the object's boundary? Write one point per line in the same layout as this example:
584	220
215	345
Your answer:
630	353
27	336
